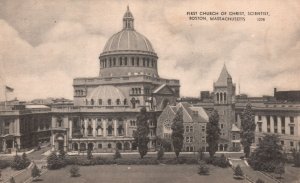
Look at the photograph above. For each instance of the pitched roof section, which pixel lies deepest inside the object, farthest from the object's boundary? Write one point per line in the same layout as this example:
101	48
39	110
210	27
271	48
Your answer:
235	128
222	81
163	89
193	114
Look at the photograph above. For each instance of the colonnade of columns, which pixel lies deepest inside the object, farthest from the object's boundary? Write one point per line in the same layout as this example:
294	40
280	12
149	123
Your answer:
92	124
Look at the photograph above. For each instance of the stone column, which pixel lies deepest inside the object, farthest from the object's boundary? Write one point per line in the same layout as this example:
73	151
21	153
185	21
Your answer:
104	127
53	142
94	127
126	128
85	127
115	127
70	128
4	145
65	143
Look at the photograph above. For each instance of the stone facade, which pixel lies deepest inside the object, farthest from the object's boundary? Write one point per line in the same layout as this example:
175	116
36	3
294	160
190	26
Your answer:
194	122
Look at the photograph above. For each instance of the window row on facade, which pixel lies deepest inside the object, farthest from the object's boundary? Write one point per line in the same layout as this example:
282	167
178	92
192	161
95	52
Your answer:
127	61
221	97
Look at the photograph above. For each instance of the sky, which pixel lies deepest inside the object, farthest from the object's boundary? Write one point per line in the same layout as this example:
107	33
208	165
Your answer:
45	44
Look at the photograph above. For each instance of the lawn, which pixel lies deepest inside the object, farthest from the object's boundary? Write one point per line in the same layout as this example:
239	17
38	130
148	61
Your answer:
140	174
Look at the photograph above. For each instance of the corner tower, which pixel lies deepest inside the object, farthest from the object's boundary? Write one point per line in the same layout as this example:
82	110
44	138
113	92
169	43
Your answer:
224	103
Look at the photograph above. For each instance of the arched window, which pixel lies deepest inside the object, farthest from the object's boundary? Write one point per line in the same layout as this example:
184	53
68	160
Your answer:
118	101
132	61
147	62
100	101
144	62
125	101
110	62
109	145
86	102
109	102
90	129
109	130
92	101
221	97
120	130
99	146
225	98
140	91
138	61
114	61
218	97
136	91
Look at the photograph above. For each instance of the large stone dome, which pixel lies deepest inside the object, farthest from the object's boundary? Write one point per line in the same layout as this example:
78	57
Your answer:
128	40
128	53
106	95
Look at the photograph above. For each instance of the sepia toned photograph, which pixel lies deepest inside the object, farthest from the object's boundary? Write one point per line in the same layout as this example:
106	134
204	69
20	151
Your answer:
149	91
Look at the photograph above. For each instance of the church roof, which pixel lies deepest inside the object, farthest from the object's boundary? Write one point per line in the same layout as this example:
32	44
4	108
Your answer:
224	76
128	39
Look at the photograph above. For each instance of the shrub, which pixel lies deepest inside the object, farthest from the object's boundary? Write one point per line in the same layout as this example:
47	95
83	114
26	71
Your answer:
203	168
117	154
55	162
218	161
296	156
279	169
260	181
20	163
12	180
35	172
160	153
74	171
238	173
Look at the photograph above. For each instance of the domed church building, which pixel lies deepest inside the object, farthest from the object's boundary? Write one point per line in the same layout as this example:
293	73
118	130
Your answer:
103	117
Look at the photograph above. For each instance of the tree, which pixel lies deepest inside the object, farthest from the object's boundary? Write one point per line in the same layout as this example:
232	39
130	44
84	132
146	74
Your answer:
248	129
177	132
238	173
279	169
268	154
117	154
35	172
160	153
141	135
213	133
89	154
74	171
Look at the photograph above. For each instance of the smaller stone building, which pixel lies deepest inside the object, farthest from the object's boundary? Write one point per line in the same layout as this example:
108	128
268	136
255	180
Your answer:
194	122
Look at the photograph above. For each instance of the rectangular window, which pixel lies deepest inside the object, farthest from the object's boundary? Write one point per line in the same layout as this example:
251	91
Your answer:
291	130
187	129
259	118
187	139
275	124
203	128
268	124
291	143
292	119
191	139
282	125
282	142
222	126
259	127
191	128
132	61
